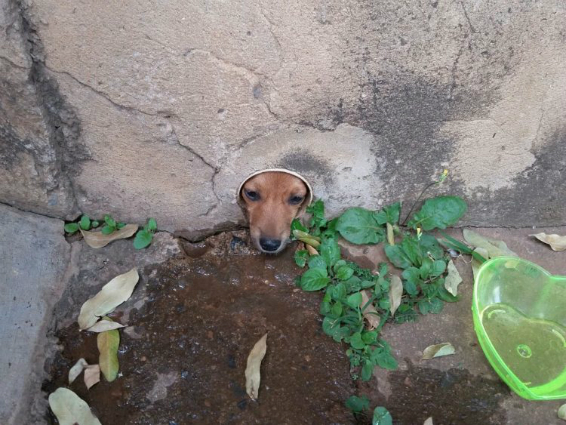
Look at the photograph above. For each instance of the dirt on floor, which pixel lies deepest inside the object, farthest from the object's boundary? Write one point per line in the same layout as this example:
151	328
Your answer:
194	319
182	360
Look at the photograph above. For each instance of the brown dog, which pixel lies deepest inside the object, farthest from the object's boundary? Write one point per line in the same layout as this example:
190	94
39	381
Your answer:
271	201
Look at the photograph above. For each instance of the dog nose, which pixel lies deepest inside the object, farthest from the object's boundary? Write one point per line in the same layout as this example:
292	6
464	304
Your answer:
270	244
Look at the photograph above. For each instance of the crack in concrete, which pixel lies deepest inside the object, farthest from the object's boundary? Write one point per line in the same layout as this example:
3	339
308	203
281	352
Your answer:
453	73
467	18
100	93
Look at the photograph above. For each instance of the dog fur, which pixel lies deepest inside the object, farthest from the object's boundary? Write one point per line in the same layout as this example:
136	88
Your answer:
271	201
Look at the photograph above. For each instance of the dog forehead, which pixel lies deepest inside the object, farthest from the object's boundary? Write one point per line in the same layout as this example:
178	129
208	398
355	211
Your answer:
275	181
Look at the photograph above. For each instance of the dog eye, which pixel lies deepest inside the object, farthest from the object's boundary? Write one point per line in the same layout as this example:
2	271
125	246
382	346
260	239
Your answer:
295	200
252	195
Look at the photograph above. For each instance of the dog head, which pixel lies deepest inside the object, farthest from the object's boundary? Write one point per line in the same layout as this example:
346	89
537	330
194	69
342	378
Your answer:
271	200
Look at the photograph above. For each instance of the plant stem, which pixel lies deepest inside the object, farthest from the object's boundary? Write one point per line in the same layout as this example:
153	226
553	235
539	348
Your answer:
417	201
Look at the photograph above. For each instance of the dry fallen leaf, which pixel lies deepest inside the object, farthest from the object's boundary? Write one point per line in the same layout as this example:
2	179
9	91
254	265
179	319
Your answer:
105	325
110	296
395	294
70	409
475	263
438	350
253	376
428	421
370	313
453	279
99	240
556	242
390	234
76	370
562	412
108	343
92	375
311	250
494	247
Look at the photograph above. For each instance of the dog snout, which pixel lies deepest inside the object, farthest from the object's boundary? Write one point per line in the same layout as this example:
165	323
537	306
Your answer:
270	245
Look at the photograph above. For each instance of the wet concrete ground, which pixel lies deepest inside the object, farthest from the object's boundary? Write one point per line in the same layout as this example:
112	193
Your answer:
197	312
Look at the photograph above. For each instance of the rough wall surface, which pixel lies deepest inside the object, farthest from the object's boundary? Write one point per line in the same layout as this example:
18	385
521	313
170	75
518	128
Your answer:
161	109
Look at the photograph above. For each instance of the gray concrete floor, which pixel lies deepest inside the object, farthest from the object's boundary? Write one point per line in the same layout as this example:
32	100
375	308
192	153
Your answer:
38	264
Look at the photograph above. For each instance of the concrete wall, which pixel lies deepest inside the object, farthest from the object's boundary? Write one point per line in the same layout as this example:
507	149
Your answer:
162	108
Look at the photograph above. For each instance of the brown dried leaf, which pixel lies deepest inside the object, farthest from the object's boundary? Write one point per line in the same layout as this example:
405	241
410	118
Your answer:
105	325
76	370
438	350
428	421
562	412
453	279
98	240
556	242
253	376
311	250
110	296
108	343
70	409
390	234
370	313
92	375
475	263
494	247
395	294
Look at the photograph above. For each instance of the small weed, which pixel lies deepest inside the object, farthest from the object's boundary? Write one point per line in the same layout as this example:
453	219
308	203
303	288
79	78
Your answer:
142	239
419	255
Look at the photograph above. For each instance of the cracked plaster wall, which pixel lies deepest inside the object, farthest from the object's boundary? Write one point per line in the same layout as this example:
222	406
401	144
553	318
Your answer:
161	109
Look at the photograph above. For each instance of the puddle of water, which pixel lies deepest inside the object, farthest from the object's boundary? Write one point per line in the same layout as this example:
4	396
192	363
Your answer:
183	360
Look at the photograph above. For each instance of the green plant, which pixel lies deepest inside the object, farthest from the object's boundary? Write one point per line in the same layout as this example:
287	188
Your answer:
110	225
345	284
144	236
84	223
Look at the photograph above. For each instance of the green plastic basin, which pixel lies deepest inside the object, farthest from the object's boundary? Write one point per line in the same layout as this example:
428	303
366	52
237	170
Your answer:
519	312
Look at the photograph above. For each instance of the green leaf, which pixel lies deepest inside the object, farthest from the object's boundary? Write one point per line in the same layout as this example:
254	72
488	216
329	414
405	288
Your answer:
152	225
412	280
109	220
337	309
301	257
106	229
95	223
297	225
314	279
389	214
383	358
330	251
381	417
316	210
316	262
344	273
85	222
71	228
369	337
357	404
339	292
354	300
411	248
356	341
143	239
397	256
358	226
122	224
439	213
438	267
429	245
367	370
